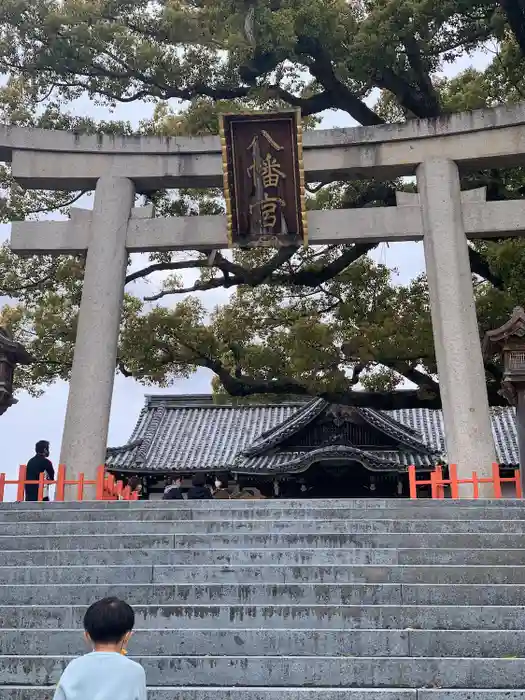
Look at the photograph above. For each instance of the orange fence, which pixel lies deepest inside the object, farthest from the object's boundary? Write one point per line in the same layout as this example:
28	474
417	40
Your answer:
437	483
107	488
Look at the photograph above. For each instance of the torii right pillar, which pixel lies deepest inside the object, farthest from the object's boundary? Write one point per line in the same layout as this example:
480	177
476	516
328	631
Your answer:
468	428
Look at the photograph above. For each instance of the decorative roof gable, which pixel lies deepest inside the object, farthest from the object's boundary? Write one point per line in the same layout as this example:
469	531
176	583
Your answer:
270	440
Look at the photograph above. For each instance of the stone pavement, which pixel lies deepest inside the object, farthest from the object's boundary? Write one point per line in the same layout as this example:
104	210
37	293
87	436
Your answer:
276	600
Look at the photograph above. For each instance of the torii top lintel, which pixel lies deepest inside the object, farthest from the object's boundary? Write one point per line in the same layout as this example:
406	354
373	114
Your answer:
67	161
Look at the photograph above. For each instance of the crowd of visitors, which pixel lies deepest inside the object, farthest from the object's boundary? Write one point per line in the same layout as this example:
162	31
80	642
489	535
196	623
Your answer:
200	488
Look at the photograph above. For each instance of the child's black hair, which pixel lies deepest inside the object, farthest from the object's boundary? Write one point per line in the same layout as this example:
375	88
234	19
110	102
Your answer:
109	620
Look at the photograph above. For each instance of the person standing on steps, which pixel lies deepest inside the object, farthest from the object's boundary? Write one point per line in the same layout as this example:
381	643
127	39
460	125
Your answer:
39	464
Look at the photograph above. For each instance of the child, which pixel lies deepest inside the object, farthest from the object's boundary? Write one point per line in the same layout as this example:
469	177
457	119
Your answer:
105	673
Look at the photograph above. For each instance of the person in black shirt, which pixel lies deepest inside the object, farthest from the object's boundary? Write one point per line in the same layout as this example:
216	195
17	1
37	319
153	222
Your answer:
198	489
173	491
37	465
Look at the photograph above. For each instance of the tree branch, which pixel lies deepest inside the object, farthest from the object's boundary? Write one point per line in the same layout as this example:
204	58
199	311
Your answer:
54	207
123	369
422	73
480	266
342	97
308	105
241	385
215	283
307	277
414	375
314	277
165	267
420	105
31	285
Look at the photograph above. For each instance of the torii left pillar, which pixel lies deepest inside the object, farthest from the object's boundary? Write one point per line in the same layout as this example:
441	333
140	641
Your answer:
89	404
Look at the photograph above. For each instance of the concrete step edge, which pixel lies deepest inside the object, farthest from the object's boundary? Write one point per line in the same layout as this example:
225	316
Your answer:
212	657
261	566
258	584
234	521
277	606
369	503
15	692
294	692
295	550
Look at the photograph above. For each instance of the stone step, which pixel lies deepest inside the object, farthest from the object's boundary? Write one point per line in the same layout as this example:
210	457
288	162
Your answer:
186	693
280	642
293	671
242	693
262	527
235	599
261	541
289	557
267	573
201	557
140	594
221	642
238	511
275	616
271	504
262	593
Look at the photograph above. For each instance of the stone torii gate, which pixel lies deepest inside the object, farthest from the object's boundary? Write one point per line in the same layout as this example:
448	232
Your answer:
440	215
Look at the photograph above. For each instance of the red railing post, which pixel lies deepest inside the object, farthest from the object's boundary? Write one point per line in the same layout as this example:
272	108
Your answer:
101	475
22	473
475	485
60	491
453	475
433	483
519	490
436	481
412	481
2	487
80	490
41	483
110	486
496	479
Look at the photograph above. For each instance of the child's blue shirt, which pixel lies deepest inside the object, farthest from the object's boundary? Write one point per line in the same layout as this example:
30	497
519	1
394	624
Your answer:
102	676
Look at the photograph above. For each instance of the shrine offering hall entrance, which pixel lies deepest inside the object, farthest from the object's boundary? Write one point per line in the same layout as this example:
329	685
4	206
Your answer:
326	480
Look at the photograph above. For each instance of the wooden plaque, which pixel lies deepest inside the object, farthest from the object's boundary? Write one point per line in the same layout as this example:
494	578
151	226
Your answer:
264	179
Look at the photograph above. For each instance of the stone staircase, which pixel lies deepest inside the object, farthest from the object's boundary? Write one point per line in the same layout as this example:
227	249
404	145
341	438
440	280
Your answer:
274	600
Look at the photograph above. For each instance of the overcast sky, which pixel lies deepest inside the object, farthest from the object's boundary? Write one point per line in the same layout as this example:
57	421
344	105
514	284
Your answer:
43	418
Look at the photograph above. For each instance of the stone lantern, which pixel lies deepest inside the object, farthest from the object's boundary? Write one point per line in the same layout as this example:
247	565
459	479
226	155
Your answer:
508	342
12	353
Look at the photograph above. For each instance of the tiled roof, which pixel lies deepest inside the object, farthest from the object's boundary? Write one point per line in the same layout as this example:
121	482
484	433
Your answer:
429	424
196	437
192	433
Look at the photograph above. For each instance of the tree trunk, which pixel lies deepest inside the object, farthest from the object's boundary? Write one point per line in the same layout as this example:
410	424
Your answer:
515	12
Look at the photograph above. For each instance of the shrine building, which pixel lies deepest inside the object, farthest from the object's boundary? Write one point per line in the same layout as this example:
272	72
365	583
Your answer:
291	448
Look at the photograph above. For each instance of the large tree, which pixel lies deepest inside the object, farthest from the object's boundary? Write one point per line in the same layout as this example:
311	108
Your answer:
320	321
